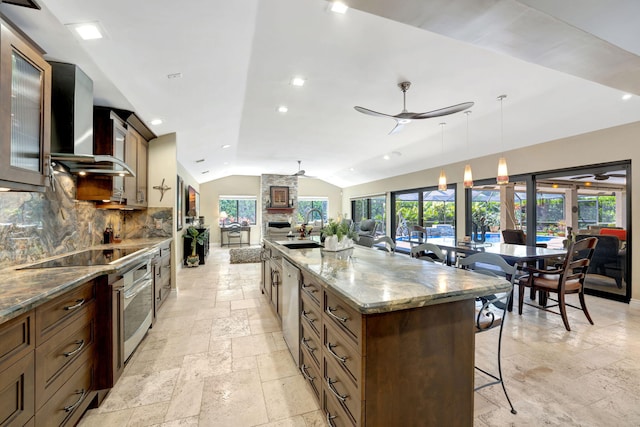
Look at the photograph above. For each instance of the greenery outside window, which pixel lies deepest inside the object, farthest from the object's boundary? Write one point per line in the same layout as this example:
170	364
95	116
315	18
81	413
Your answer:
373	207
305	204
240	209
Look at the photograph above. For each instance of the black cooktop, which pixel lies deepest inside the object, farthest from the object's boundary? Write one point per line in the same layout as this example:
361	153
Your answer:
87	258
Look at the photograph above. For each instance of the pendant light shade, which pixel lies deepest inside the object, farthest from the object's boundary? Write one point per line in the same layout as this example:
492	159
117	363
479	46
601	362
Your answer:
442	181
467	178
503	174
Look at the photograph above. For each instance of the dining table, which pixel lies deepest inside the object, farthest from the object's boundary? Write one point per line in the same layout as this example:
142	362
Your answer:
521	254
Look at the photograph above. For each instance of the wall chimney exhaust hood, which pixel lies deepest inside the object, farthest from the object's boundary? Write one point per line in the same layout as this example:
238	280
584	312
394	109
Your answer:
72	124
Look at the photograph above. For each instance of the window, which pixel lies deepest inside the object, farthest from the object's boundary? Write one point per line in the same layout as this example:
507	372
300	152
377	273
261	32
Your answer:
370	208
240	209
428	207
305	204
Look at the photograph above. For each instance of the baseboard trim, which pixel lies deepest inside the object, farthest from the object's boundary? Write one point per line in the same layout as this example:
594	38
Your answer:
635	303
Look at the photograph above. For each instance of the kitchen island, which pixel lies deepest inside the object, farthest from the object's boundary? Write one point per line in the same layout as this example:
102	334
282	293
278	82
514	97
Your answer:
385	339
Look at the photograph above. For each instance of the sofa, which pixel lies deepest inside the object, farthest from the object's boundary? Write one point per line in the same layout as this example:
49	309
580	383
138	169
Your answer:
608	258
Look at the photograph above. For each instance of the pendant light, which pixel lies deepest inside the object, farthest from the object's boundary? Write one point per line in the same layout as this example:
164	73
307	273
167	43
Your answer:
442	181
503	174
467	178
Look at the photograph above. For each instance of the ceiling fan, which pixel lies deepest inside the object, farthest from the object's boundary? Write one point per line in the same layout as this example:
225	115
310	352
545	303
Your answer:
301	172
405	116
601	176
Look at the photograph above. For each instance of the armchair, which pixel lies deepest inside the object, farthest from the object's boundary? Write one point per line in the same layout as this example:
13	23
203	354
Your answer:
366	231
608	259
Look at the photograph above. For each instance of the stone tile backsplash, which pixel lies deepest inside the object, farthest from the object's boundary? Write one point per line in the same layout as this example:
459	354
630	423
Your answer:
39	225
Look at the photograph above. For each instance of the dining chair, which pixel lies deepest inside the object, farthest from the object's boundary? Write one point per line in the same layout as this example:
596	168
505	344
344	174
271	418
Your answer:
234	231
428	252
387	243
491	310
567	279
417	234
518	237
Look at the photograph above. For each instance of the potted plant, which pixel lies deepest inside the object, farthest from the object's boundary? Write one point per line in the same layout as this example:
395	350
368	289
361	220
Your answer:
338	235
197	237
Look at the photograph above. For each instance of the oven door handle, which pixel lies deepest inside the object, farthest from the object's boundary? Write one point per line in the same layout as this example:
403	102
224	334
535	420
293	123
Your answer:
139	287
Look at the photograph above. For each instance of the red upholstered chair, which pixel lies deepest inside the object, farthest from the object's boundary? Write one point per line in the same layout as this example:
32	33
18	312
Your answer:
618	232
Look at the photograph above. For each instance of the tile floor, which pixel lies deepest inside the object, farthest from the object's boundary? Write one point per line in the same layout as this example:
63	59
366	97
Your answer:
216	357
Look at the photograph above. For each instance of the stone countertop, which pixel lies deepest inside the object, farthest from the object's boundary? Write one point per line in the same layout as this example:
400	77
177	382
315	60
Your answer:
375	281
23	290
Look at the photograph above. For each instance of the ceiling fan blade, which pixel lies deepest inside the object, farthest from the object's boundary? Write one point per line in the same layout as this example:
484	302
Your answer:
399	126
617	175
582	177
371	112
443	111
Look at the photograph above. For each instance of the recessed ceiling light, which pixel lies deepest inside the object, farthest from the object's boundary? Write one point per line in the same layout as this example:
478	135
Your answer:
351	170
156	122
297	81
339	7
386	157
282	109
626	96
87	30
226	146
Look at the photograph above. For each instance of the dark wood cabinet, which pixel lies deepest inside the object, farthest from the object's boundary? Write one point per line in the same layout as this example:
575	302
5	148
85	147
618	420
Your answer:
25	112
110	340
17	370
360	367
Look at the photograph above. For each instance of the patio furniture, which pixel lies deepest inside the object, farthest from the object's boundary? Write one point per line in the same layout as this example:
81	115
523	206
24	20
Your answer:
366	231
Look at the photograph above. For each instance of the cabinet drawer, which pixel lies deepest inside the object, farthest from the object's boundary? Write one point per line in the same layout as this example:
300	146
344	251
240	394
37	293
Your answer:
311	288
334	414
165	250
341	389
345	317
311	344
310	314
58	357
68	403
17	403
341	351
58	312
16	339
311	373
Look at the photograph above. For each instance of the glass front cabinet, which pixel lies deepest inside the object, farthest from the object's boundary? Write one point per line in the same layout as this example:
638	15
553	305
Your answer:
25	111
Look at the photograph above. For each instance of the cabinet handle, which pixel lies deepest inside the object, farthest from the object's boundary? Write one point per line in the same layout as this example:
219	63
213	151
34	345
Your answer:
330	311
329	418
80	347
82	394
303	368
313	289
333	353
334	391
304	343
308	319
79	302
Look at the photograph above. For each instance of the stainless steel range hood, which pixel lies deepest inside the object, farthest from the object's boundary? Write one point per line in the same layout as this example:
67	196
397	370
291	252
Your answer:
72	124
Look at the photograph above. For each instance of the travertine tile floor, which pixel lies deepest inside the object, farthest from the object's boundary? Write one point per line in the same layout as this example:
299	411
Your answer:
216	357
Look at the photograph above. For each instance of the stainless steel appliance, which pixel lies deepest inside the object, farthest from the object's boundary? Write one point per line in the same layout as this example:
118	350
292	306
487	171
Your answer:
138	304
291	308
87	258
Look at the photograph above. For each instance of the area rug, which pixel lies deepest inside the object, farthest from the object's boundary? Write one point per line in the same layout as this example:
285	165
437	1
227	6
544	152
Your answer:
245	255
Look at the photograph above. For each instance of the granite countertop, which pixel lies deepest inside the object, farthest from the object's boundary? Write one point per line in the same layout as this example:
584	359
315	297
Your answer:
375	281
23	290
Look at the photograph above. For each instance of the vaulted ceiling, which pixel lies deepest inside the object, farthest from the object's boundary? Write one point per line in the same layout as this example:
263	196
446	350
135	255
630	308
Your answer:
564	67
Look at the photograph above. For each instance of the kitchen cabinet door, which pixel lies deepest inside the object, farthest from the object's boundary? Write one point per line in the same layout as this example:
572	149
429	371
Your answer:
25	111
135	188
